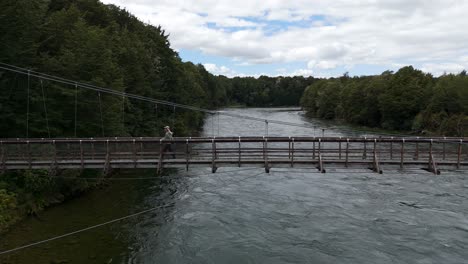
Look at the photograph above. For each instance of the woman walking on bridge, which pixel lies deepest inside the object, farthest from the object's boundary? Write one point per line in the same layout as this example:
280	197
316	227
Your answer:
168	137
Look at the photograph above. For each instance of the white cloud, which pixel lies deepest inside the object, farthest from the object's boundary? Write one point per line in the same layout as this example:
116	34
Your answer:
219	70
431	33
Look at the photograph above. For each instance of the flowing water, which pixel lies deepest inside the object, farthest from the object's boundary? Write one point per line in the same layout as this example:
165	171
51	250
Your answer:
242	215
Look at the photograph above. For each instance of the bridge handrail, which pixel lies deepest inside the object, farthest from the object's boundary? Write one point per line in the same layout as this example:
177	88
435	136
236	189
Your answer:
458	140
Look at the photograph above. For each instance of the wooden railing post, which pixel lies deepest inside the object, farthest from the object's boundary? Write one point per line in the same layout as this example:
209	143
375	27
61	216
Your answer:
391	148
55	154
81	155
213	156
313	149
339	149
292	153
134	154
443	149
430	147
187	155
107	162
2	160
93	151
459	153
402	153
29	154
320	146
347	152
239	151
416	152
320	166
265	155
161	155
364	155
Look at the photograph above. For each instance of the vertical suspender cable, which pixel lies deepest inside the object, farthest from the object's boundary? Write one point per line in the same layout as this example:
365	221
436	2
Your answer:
27	108
266	127
173	116
212	124
218	124
45	108
156	118
123	112
100	111
76	106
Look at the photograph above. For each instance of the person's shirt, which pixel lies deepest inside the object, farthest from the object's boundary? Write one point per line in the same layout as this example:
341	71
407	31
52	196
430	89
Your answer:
168	136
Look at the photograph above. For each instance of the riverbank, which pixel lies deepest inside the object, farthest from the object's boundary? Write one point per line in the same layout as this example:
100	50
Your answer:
28	193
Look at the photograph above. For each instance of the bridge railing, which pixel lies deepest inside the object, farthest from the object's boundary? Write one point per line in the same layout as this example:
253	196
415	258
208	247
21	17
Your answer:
231	151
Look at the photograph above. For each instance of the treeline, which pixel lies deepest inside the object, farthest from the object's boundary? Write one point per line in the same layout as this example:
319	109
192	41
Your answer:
407	100
265	91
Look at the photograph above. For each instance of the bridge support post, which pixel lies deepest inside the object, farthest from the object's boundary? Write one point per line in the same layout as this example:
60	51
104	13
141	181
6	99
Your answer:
376	165
187	155
313	149
292	153
391	148
433	165
320	166
443	149
339	149
2	159
81	156
213	156
53	166
459	153
265	155
402	153
134	154
29	154
416	152
239	148
347	152
364	155
107	162
160	162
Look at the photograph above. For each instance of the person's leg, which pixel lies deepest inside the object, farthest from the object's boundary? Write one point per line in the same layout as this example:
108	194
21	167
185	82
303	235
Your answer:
165	149
171	150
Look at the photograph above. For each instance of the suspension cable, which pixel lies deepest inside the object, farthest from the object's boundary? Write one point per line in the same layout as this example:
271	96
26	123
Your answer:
173	117
100	110
45	109
85	229
218	123
134	96
156	119
27	107
44	76
123	112
76	106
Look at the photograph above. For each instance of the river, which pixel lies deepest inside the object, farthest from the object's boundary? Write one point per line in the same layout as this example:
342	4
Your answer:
243	215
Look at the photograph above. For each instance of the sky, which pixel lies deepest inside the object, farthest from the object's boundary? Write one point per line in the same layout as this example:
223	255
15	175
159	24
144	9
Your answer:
312	37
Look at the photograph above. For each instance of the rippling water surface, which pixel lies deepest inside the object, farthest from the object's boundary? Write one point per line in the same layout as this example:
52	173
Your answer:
242	215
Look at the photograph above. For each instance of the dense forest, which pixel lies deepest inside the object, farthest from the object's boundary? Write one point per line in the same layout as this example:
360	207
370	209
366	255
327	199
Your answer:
103	45
408	100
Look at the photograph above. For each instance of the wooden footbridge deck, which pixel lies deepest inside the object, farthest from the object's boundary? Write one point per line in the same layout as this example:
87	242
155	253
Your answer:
431	154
